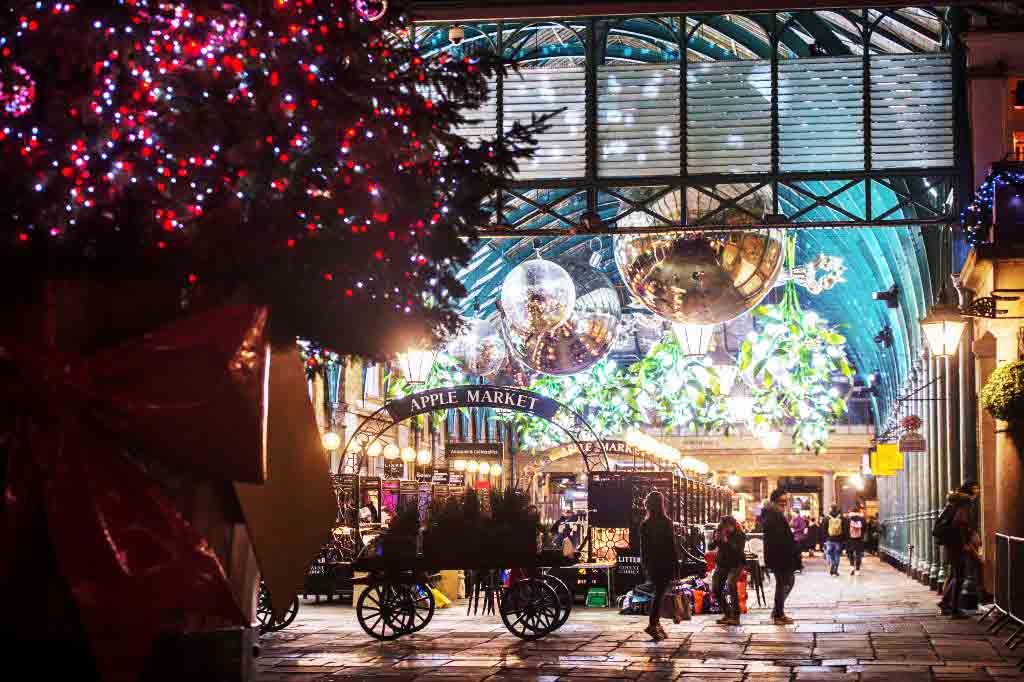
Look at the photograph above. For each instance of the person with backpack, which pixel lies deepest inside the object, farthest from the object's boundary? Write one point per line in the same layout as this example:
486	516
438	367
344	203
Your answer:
833	526
856	526
658	556
953	531
730	541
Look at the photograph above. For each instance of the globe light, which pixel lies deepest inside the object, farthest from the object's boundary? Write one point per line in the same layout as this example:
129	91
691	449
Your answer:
734	480
537	296
857	481
484	468
694	339
408	454
459	465
416	364
943	326
472	466
424	457
375	448
330	441
391	451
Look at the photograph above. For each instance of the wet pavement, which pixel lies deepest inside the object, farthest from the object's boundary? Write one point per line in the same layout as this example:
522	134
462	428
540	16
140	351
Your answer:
875	626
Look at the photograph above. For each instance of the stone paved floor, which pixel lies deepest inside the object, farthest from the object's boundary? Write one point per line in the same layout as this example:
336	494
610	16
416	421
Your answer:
873	627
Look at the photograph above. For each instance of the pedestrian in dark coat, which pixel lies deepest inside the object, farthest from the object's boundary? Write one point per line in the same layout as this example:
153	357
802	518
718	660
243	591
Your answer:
658	556
781	553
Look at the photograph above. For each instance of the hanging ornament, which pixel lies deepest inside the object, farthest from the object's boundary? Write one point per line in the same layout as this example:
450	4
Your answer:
371	10
479	350
537	296
697	277
17	91
585	338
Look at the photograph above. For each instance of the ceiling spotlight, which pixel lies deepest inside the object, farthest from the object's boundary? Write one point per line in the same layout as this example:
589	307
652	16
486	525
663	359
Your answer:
891	296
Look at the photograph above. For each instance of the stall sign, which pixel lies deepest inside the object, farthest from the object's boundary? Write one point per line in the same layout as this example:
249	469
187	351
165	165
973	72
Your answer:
457	478
497	397
394	469
913	441
481	452
439	476
424	474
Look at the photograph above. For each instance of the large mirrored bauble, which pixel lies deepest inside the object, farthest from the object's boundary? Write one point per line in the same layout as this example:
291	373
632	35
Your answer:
585	338
478	349
537	296
700	278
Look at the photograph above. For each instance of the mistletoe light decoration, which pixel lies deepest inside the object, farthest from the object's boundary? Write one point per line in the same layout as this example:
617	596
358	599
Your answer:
789	362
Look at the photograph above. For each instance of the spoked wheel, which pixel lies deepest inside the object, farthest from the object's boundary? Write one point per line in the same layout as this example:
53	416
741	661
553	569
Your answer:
386	611
565	599
423	601
265	612
530	609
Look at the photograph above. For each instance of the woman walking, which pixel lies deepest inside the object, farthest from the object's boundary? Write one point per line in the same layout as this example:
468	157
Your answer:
658	556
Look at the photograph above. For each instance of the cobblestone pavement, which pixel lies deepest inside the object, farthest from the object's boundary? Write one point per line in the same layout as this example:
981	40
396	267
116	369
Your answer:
876	626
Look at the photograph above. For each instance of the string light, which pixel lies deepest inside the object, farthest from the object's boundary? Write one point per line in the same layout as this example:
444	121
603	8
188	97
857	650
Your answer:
976	217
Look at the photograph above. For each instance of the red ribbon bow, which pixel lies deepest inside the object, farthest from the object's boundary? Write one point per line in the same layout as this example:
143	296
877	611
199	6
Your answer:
188	395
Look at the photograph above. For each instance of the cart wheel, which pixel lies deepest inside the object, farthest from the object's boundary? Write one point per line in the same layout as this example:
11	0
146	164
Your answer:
265	614
423	601
565	598
530	609
386	611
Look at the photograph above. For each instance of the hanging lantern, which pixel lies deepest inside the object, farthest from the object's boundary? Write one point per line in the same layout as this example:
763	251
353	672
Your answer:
376	447
537	296
424	457
694	339
472	466
459	465
585	338
724	364
408	454
479	349
484	468
943	326
416	364
391	451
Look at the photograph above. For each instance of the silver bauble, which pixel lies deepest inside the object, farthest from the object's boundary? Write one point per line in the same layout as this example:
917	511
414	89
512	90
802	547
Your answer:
478	349
585	338
700	278
538	295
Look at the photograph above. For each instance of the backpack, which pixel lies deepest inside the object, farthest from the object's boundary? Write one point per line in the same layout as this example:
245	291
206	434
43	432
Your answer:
856	528
835	526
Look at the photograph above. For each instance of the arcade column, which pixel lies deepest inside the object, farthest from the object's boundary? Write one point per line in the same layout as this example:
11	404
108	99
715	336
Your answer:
828	491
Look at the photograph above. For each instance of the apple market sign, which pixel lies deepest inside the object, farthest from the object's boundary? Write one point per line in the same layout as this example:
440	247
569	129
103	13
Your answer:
495	397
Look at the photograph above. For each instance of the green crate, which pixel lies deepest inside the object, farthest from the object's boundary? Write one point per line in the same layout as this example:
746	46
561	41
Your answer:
597	597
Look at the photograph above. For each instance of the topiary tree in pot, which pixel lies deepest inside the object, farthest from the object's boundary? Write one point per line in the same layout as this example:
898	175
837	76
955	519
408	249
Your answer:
1003	394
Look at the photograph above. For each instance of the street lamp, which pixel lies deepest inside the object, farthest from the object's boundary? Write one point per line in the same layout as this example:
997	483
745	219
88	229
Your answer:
459	465
416	364
943	326
694	339
423	457
408	454
391	451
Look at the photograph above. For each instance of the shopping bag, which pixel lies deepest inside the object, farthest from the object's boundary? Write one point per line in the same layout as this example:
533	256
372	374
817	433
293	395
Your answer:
741	593
698	602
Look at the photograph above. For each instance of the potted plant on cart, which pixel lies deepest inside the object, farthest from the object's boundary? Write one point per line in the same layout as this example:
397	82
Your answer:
402	536
511	532
453	531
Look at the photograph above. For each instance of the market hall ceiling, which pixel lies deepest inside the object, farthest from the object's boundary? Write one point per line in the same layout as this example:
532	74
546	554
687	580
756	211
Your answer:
834	119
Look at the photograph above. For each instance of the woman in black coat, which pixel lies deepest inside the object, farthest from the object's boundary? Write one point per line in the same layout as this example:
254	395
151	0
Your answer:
781	553
658	556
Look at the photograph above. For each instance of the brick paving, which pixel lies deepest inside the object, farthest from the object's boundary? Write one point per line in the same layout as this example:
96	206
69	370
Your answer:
878	626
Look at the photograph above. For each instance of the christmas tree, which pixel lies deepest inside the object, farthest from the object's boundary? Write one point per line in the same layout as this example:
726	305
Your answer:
299	153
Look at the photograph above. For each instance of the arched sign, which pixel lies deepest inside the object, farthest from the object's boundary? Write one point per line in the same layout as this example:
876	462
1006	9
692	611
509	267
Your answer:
575	426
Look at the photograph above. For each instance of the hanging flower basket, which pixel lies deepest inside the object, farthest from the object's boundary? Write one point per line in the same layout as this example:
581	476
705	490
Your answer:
911	422
1003	394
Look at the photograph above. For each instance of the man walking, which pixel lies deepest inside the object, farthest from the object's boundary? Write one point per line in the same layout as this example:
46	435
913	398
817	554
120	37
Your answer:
781	552
833	539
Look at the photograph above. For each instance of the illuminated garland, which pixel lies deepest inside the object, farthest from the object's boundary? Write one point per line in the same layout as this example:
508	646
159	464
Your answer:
976	217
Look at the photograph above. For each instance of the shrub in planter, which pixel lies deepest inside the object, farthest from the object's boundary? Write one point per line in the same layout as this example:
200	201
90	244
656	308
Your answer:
453	533
1003	394
511	532
399	542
